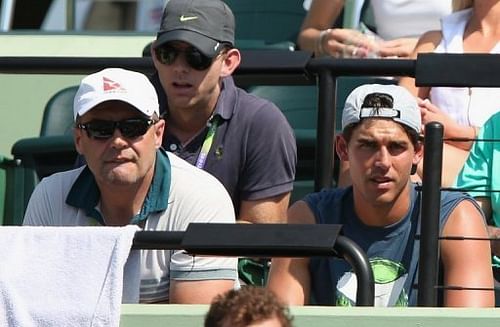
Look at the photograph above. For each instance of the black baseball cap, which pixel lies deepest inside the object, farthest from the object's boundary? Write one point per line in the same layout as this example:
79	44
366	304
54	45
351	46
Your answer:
204	24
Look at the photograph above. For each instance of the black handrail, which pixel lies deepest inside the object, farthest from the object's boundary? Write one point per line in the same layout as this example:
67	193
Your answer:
267	240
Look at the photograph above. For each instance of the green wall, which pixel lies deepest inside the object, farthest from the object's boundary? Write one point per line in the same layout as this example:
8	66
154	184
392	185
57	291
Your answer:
133	315
23	100
23	97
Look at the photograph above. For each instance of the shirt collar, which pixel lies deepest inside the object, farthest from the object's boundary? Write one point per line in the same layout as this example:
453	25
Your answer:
85	195
225	104
227	99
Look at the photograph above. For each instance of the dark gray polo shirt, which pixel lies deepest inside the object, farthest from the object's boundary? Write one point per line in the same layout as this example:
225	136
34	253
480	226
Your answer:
253	153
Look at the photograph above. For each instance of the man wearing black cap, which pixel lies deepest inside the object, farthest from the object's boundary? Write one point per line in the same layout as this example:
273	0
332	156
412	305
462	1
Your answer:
243	140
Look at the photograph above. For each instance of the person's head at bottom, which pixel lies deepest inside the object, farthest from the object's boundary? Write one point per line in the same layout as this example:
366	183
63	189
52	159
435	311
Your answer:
248	306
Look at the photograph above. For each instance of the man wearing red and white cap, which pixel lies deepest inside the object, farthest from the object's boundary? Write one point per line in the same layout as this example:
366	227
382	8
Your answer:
129	179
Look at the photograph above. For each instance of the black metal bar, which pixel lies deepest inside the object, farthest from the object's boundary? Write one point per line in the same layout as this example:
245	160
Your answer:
353	254
158	240
71	65
257	68
472	69
295	67
431	199
256	240
267	240
363	67
323	163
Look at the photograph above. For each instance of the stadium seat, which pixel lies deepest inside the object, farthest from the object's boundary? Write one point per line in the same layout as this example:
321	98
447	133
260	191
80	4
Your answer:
18	184
58	113
38	157
53	151
271	22
298	104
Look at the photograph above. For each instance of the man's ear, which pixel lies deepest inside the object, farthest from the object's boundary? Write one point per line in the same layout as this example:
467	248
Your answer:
419	153
341	147
159	130
230	62
77	138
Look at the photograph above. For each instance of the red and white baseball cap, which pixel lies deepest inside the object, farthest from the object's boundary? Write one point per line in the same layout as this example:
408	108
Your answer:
116	84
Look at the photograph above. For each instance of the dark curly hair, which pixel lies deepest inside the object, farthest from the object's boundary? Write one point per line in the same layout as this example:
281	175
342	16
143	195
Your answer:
248	305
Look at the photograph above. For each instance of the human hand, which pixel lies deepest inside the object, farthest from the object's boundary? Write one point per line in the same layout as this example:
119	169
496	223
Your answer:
400	48
347	43
429	113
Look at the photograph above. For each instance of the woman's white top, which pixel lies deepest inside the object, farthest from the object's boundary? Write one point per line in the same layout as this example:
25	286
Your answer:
467	106
408	18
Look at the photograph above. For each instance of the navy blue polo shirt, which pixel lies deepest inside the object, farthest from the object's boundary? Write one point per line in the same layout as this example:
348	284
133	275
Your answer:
254	152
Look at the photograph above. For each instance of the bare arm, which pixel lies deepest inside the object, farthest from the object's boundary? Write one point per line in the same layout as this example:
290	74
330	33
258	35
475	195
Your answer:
320	16
427	43
452	129
467	263
270	210
198	291
317	36
289	278
401	48
493	231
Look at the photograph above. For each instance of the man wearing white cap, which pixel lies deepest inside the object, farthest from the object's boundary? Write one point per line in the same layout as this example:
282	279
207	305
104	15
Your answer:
129	179
381	213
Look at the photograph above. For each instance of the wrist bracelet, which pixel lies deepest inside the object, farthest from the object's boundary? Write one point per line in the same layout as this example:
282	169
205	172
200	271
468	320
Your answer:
320	50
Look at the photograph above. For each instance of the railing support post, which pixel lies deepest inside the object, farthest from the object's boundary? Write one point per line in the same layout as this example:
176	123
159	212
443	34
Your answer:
323	165
431	204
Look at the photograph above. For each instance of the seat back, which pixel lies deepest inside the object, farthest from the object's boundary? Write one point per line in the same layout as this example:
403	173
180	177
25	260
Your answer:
58	113
297	102
38	157
273	21
55	137
299	105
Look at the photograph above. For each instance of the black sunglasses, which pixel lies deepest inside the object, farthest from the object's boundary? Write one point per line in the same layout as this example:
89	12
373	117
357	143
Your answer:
167	54
104	129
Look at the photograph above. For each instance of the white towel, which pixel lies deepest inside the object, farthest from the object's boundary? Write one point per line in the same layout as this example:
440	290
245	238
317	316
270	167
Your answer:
62	276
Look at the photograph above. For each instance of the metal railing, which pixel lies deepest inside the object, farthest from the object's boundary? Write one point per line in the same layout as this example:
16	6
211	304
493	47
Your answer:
267	240
297	68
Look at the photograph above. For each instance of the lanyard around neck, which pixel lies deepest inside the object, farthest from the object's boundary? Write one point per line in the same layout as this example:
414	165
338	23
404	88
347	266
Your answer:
207	143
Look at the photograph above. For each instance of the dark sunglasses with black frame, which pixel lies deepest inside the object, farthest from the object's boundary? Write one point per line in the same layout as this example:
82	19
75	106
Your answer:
104	129
166	54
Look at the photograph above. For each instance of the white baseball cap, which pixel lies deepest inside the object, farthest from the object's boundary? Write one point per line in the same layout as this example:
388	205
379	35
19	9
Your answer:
116	84
404	110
